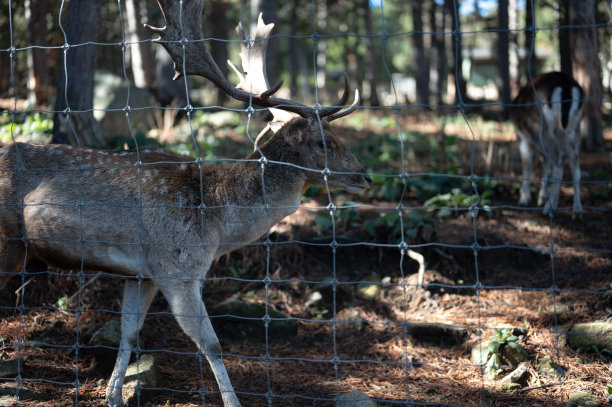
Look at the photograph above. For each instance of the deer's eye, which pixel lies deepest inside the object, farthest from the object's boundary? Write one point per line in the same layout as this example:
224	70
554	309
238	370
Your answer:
320	145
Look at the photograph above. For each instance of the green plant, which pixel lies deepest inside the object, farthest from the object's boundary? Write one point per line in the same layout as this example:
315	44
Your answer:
319	314
62	303
346	216
120	142
493	355
33	128
239	269
447	203
604	353
389	224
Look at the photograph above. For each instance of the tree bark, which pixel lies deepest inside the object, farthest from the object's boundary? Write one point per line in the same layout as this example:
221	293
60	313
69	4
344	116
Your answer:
439	25
219	27
5	74
166	90
460	85
503	52
321	59
38	79
76	80
141	52
370	57
293	57
565	53
421	73
513	46
531	68
587	68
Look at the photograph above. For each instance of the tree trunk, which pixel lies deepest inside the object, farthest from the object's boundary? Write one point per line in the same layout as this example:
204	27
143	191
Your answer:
460	85
421	73
76	80
166	90
370	57
5	73
439	25
531	68
293	58
141	52
321	60
503	52
219	27
38	79
587	68
565	52
513	47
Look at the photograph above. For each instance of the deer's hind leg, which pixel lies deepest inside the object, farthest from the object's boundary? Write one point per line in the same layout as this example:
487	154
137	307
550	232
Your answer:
185	299
527	164
12	258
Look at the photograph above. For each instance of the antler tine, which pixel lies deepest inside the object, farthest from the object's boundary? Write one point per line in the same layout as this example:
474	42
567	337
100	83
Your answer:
331	113
254	76
198	60
348	110
191	57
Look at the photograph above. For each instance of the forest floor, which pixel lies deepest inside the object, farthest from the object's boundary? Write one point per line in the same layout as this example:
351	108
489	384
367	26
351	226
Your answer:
513	281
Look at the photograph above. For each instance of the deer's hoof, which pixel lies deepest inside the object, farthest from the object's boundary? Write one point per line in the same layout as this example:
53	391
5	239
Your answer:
523	201
113	397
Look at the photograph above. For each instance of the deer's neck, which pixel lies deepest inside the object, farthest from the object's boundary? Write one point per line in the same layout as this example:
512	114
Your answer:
248	201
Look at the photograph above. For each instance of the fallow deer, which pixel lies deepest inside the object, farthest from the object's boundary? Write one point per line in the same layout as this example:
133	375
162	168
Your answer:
160	218
546	115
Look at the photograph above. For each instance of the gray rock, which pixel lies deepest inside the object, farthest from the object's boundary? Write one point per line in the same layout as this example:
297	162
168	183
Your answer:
221	119
107	335
321	300
547	366
8	395
513	354
111	92
518	375
9	368
589	334
355	399
313	300
369	289
508	387
582	398
105	342
505	355
140	375
438	334
244	319
356	321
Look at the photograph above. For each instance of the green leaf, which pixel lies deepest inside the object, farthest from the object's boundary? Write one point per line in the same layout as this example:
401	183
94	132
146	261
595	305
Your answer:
62	303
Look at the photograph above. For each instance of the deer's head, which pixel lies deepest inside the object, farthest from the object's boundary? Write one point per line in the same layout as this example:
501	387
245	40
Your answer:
302	143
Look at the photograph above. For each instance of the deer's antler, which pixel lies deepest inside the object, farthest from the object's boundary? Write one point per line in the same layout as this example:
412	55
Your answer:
182	38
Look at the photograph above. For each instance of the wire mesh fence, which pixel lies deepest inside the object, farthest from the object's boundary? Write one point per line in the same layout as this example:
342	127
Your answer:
426	290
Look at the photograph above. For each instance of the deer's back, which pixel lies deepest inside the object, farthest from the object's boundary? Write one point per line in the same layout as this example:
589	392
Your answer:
73	204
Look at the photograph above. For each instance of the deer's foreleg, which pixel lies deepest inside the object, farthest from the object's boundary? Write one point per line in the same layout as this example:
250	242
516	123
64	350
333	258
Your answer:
136	301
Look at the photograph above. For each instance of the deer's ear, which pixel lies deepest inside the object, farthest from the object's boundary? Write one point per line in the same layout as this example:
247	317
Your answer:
293	138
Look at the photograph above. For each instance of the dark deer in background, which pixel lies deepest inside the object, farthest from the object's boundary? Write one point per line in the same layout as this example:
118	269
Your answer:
552	107
160	218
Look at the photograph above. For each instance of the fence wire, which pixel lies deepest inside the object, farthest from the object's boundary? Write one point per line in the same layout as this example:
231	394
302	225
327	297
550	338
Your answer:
413	387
